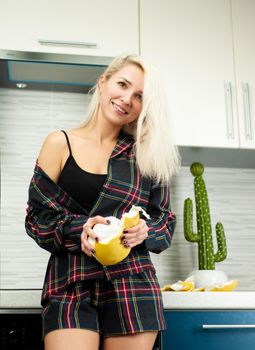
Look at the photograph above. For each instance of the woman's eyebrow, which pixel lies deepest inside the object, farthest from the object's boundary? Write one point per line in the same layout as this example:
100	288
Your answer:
129	83
126	80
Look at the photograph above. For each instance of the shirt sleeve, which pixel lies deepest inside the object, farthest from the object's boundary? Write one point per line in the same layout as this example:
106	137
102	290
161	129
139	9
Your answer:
162	222
52	226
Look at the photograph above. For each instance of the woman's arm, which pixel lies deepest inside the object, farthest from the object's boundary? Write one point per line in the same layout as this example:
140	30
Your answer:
52	226
162	222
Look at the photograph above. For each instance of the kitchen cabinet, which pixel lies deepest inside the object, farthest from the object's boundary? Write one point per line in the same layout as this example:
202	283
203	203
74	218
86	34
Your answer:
108	27
243	13
191	43
210	330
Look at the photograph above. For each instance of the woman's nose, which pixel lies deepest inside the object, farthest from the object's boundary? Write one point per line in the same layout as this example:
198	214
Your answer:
126	98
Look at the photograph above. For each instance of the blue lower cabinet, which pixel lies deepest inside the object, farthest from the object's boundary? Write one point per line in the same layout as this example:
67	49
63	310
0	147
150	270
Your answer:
209	330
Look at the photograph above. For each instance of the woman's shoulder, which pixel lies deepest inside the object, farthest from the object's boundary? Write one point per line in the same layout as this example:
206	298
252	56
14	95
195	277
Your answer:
55	143
51	153
55	138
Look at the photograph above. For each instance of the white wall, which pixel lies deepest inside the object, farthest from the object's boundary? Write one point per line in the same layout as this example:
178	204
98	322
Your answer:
26	117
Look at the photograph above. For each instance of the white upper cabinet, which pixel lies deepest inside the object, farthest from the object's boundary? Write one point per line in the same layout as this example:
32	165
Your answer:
108	27
190	42
244	47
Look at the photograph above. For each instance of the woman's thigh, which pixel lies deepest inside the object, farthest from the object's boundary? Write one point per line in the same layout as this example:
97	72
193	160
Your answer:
72	339
141	341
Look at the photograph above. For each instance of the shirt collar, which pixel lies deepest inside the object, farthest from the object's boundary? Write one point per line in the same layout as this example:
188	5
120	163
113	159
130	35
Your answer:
124	142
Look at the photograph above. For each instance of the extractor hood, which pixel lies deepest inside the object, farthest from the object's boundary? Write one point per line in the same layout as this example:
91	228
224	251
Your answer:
51	72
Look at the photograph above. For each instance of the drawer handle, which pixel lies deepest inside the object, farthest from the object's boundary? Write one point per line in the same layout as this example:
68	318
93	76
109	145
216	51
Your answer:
229	111
247	111
219	326
67	43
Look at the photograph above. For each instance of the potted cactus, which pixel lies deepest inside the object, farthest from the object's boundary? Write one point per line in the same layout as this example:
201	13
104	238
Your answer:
206	275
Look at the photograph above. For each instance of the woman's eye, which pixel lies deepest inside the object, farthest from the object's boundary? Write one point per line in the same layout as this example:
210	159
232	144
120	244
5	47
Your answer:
139	97
121	83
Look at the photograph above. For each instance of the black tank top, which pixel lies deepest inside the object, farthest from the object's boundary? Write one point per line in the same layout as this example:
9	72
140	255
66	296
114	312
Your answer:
81	185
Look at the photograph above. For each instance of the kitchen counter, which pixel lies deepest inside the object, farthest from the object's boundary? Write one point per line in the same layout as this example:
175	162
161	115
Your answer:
25	298
30	299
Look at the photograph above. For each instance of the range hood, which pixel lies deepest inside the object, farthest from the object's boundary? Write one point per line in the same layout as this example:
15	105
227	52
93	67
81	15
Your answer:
51	72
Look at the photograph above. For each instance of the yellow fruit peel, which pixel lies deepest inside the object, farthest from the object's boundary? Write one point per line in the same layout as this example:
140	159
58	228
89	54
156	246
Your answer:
130	222
180	286
223	287
112	252
189	286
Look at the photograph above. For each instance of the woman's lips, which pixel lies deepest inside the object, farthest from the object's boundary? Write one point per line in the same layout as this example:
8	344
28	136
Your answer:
118	109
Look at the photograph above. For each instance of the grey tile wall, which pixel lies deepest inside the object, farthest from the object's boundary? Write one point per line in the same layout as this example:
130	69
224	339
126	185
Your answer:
26	117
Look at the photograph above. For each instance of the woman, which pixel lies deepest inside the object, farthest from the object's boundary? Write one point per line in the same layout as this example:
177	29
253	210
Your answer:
120	156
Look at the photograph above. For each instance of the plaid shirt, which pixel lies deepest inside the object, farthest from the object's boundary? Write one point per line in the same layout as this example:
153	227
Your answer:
55	220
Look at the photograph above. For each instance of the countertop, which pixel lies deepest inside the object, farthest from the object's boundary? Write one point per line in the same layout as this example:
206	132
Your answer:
30	299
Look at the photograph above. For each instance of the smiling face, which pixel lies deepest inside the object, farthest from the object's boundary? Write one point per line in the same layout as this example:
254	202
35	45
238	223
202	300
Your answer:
121	95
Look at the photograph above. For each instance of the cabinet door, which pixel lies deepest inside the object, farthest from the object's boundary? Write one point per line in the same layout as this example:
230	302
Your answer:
190	43
112	25
185	330
244	46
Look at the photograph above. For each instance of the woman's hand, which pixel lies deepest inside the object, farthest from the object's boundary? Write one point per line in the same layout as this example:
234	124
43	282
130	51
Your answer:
135	235
88	232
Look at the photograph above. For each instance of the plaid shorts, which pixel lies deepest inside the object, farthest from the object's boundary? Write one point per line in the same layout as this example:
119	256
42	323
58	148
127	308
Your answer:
127	305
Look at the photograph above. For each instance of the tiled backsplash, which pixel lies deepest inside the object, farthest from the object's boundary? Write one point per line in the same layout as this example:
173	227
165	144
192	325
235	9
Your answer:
26	117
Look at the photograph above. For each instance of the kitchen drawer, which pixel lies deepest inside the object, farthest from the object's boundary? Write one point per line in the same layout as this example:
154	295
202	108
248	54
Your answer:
210	330
20	329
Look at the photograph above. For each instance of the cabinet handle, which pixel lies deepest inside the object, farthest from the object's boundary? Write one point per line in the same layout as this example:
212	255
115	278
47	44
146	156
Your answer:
219	326
230	112
247	111
67	43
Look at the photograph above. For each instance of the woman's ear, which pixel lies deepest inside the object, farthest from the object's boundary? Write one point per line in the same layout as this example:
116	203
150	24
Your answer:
101	82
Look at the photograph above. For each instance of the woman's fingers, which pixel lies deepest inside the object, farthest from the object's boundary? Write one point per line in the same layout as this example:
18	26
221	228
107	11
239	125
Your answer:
86	250
88	232
98	220
135	235
143	233
86	247
88	226
141	225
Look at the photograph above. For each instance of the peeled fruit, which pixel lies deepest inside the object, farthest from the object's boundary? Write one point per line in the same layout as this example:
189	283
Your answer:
109	250
223	287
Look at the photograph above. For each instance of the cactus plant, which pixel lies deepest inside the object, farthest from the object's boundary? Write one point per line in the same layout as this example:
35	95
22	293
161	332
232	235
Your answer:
203	237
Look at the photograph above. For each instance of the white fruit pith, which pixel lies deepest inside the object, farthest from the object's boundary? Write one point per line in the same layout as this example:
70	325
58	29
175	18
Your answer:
107	232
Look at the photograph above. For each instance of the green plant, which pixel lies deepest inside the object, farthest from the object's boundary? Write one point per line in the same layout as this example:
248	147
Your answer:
203	237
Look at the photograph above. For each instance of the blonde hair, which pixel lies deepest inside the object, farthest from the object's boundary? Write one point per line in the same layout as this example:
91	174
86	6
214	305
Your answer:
156	155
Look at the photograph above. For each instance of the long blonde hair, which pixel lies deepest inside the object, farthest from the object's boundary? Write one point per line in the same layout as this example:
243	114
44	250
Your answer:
156	155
